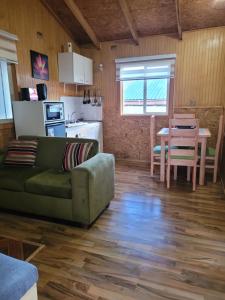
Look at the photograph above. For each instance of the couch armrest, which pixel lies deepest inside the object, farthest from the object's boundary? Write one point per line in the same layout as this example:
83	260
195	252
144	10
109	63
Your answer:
92	187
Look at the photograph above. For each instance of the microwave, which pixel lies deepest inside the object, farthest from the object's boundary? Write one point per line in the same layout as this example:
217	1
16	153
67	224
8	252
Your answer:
54	111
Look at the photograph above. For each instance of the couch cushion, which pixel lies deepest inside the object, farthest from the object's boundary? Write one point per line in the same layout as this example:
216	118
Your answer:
182	157
75	154
52	183
51	150
210	151
157	149
21	153
16	277
14	178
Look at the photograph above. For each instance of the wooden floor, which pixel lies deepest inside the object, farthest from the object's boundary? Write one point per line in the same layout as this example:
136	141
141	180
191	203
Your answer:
150	244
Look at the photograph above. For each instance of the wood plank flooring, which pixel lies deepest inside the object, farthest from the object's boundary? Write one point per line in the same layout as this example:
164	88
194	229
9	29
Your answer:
150	244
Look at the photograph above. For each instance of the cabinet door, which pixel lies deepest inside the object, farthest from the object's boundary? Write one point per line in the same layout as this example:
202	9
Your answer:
88	70
73	133
78	69
66	71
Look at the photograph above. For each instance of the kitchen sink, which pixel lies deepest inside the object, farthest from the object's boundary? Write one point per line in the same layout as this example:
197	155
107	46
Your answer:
76	124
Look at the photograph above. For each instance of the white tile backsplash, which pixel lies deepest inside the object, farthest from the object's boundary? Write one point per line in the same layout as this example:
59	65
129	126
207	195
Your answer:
74	108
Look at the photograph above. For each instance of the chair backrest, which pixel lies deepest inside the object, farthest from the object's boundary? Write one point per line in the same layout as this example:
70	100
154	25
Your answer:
152	132
220	135
183	143
184	116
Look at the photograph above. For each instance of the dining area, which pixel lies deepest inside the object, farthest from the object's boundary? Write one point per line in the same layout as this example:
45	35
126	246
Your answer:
186	142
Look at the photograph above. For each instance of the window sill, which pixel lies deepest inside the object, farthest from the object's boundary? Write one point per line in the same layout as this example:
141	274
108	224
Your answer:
6	121
146	115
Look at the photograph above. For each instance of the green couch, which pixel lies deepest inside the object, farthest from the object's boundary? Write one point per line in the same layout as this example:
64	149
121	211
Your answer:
78	196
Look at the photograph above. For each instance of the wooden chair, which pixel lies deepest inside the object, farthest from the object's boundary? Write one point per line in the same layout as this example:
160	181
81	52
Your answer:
155	149
184	116
183	146
212	154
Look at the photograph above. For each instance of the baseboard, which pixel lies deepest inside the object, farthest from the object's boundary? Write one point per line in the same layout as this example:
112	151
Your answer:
132	162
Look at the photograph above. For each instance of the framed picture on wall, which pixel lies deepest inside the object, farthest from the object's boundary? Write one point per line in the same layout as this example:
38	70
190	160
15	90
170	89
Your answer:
39	65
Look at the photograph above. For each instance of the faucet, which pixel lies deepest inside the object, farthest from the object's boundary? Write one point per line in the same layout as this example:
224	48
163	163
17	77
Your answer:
73	120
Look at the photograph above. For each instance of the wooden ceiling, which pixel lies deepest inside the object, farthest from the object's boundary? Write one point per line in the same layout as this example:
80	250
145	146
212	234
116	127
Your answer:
108	20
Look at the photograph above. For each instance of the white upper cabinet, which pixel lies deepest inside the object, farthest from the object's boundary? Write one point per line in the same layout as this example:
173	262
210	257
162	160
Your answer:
66	69
88	71
75	68
78	69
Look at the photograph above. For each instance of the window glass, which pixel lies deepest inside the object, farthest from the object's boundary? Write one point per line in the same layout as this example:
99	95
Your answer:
133	97
156	95
157	89
5	98
148	96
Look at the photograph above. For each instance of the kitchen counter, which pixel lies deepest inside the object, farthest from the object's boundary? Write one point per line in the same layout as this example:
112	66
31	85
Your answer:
69	125
83	123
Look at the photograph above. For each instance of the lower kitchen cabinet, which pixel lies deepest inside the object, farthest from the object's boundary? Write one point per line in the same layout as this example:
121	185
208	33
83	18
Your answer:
87	131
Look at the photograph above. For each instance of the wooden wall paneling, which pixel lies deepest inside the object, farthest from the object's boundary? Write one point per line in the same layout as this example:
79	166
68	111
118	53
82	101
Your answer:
25	25
6	133
25	18
199	81
222	165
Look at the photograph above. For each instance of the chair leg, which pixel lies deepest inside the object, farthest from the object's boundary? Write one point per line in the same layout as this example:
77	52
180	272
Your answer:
188	173
175	172
168	176
215	170
152	167
194	178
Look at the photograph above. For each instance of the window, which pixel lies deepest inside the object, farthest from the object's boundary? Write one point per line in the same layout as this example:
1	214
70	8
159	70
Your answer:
5	97
145	84
145	96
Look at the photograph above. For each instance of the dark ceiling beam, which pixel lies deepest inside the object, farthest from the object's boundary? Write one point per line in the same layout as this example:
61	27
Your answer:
49	8
84	24
126	11
179	28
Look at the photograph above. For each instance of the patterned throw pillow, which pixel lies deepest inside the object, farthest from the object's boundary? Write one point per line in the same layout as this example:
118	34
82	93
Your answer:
21	153
75	154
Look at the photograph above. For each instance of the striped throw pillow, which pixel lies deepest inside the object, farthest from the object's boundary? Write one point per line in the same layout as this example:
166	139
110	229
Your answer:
21	153
75	154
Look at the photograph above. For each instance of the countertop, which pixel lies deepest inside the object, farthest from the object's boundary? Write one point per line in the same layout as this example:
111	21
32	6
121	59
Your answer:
83	123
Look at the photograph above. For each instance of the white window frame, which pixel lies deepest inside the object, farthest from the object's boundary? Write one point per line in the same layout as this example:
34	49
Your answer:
145	113
152	60
5	100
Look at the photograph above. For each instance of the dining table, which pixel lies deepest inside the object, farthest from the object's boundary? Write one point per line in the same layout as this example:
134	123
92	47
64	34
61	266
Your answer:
204	134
